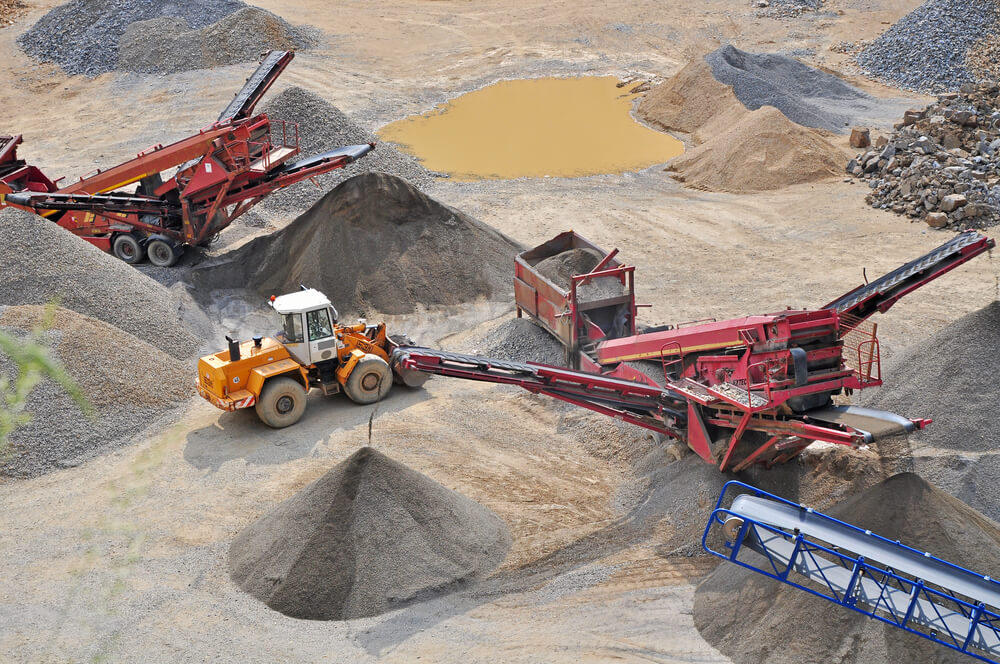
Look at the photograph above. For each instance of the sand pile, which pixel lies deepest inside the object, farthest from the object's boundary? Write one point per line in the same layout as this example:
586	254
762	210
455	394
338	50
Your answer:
239	37
368	537
323	127
763	151
82	36
752	618
127	381
375	243
41	262
950	377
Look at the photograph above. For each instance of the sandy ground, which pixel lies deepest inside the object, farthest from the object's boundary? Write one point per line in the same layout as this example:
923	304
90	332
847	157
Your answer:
123	558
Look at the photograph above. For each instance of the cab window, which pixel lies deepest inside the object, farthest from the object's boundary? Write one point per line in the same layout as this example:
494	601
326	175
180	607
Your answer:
291	325
318	323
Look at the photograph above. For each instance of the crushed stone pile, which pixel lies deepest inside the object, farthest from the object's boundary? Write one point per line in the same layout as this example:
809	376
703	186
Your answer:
940	164
929	49
950	377
82	36
561	268
239	37
786	8
10	10
518	340
41	262
763	151
375	243
805	95
128	382
323	127
740	612
369	536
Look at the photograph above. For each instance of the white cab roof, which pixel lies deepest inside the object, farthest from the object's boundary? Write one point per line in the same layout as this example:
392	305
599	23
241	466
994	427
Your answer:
300	301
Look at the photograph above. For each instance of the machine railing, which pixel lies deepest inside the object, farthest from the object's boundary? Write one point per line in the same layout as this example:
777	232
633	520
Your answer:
857	569
861	350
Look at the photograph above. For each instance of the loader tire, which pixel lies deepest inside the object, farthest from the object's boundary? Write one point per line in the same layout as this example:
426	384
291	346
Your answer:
127	248
370	380
282	402
161	254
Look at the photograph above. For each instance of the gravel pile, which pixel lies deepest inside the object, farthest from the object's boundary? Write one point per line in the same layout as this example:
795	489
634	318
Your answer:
561	268
127	381
949	377
927	49
10	10
239	37
82	36
805	95
323	127
370	536
940	164
787	8
519	340
373	244
41	262
740	612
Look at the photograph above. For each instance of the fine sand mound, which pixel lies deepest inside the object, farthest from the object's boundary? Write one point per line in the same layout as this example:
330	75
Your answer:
375	243
763	151
41	263
951	378
128	382
238	37
751	618
369	536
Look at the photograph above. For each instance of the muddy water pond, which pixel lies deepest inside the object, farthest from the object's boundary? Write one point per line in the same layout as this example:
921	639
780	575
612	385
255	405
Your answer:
558	127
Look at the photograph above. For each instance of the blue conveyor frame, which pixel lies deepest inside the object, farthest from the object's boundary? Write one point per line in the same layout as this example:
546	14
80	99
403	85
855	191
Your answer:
857	569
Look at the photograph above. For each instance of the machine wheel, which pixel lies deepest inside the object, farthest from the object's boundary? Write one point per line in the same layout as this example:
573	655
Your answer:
127	248
281	402
161	254
370	380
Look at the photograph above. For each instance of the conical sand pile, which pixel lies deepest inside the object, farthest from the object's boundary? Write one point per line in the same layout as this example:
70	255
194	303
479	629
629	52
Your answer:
369	536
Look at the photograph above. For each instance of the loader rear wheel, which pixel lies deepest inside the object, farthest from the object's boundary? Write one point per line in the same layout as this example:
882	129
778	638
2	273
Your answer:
127	248
161	254
370	380
282	402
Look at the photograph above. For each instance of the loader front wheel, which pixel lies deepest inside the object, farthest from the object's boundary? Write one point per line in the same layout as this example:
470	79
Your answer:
370	380
127	248
282	402
161	254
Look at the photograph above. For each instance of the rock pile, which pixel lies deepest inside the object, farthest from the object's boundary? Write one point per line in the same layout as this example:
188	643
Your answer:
10	10
240	37
928	50
323	127
787	8
941	164
369	536
82	36
375	243
128	382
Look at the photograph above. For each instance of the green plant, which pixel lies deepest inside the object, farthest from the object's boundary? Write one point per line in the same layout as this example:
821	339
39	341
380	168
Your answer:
33	361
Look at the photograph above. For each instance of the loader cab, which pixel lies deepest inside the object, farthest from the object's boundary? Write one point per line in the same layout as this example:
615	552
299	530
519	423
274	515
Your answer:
308	326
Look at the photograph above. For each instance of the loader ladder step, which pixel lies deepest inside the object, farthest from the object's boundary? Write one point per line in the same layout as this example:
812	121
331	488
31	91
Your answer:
857	569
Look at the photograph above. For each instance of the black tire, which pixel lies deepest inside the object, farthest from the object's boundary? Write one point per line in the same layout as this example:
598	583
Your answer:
160	253
282	402
370	380
127	248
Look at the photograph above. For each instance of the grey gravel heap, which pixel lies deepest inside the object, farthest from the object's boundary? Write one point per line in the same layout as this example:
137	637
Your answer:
806	95
239	37
787	8
926	50
82	36
41	262
323	127
941	164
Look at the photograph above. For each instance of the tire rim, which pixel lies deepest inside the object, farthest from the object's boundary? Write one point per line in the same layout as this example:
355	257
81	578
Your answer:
126	250
161	253
284	405
370	381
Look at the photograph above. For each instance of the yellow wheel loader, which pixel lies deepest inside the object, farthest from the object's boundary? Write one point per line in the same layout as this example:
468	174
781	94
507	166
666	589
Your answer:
312	351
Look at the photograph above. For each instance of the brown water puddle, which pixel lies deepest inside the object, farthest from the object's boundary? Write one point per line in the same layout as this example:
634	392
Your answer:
561	127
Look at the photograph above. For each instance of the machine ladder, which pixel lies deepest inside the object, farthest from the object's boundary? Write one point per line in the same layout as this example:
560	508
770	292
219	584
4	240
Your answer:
857	569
